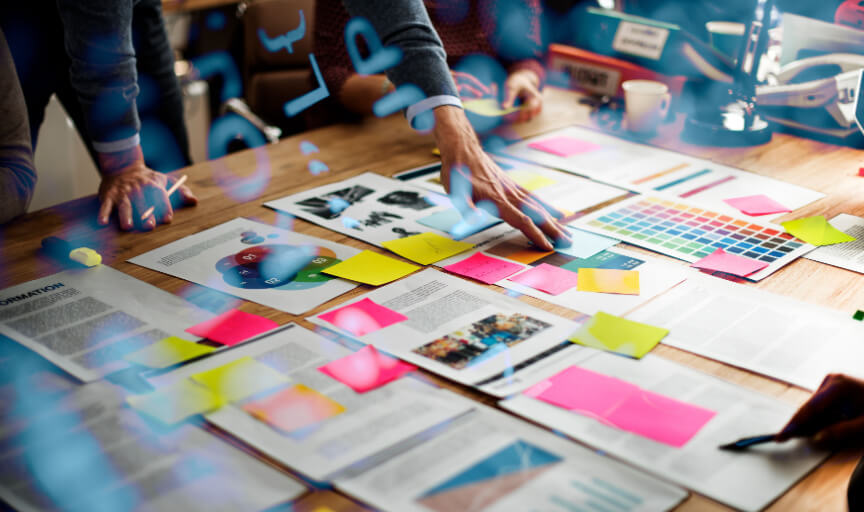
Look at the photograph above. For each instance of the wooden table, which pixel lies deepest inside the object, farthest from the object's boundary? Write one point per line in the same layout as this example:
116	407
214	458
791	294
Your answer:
387	146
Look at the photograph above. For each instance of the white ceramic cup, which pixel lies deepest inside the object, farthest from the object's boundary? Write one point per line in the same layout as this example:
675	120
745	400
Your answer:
647	103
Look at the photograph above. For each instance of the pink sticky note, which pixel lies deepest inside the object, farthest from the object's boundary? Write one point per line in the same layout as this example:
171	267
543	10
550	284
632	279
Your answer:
756	205
547	278
366	369
660	418
564	146
585	391
722	261
623	405
362	317
484	268
232	327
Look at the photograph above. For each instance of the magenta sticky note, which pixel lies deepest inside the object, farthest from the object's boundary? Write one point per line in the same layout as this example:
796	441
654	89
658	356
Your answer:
722	261
623	405
484	268
366	369
564	146
547	278
362	317
660	418
756	205
578	389
232	327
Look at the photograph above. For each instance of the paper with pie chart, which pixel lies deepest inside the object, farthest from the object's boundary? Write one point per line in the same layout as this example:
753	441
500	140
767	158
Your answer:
257	262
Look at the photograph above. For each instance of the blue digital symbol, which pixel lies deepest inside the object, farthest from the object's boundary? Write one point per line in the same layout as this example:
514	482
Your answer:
337	204
286	40
348	222
221	64
403	97
307	147
297	105
316	167
216	20
225	129
381	58
230	127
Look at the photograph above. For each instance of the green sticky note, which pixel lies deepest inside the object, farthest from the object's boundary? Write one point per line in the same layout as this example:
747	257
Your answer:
371	268
616	334
176	403
859	315
168	352
816	231
488	107
426	248
240	379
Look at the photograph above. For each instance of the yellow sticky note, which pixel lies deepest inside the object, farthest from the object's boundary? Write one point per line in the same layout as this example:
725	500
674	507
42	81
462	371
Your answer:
616	334
176	403
816	230
487	107
426	248
240	379
608	280
371	268
436	151
530	181
167	352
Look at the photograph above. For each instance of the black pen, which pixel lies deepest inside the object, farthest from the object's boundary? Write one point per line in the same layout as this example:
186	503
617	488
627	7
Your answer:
744	443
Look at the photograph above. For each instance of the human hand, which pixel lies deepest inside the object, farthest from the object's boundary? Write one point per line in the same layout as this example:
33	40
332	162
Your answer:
523	84
469	87
131	188
833	417
470	176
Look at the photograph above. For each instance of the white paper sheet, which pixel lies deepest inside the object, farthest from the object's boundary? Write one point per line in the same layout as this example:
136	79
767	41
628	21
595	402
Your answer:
848	255
86	320
88	452
776	336
257	262
655	277
373	422
648	169
478	337
749	480
526	469
562	190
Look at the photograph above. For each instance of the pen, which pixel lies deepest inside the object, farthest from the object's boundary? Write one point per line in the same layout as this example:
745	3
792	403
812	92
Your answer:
171	190
746	442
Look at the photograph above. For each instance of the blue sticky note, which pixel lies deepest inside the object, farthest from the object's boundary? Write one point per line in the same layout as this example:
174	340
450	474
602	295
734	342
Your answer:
586	244
447	220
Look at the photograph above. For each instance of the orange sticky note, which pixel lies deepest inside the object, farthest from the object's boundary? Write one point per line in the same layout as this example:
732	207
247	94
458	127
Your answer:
608	280
294	408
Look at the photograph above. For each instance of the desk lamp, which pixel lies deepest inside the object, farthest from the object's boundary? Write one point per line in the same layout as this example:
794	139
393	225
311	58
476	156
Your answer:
728	116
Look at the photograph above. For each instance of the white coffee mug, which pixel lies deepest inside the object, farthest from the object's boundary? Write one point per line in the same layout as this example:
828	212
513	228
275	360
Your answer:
646	103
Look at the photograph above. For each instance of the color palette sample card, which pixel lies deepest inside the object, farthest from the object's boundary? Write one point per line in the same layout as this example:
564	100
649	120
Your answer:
690	232
648	169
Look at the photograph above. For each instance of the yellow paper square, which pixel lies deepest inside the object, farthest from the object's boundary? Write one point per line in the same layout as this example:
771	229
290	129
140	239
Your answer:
530	181
608	280
168	352
426	248
371	268
240	379
616	334
176	403
816	231
487	107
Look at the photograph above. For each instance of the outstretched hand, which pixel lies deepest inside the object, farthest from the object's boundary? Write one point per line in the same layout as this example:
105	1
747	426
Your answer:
130	187
524	85
833	417
471	177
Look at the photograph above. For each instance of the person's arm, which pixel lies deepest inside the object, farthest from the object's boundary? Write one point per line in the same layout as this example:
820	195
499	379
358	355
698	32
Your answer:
833	417
98	39
405	23
17	173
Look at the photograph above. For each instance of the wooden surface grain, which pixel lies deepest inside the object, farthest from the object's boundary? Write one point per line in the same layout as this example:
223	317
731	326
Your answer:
386	146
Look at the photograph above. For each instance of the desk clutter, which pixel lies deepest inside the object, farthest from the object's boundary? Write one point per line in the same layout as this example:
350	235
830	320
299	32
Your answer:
347	405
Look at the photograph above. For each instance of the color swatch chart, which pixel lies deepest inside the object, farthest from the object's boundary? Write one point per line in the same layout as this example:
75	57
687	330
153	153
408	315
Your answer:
689	232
